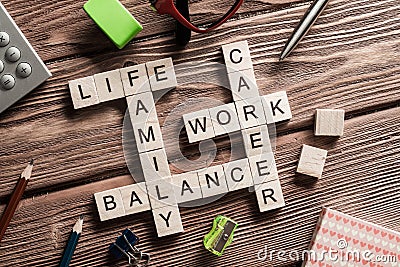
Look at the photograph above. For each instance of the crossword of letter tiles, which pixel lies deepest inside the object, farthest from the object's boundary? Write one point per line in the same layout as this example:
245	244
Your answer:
212	181
269	196
109	204
198	125
256	140
154	164
109	85
276	107
250	112
135	198
263	168
83	92
243	84
135	80
224	119
186	187
168	220
162	192
238	174
142	108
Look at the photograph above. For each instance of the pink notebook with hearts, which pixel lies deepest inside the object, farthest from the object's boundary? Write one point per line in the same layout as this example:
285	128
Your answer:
342	240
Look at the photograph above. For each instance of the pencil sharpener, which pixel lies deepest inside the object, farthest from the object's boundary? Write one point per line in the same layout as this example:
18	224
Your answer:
220	236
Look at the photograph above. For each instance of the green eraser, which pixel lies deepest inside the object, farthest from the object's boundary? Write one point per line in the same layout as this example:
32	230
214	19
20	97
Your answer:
114	20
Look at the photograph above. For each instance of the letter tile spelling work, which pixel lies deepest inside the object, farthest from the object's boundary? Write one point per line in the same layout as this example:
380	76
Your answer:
161	192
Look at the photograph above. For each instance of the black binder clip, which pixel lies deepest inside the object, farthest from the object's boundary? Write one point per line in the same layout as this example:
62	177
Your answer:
125	245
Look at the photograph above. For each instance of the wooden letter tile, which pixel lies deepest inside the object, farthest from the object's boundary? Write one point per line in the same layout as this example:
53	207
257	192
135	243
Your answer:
142	108
256	140
224	119
154	165
237	56
329	122
161	74
243	84
109	204
263	168
135	198
168	220
250	112
186	187
276	107
212	181
83	92
135	79
312	161
269	196
161	193
109	85
148	136
238	174
198	125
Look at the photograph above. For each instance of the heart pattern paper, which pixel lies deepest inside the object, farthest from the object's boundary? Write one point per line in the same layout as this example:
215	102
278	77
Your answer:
342	240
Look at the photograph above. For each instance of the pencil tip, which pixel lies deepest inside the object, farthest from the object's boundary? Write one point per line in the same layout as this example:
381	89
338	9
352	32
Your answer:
81	217
31	162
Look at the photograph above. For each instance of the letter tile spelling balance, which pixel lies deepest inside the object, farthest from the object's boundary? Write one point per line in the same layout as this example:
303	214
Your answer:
162	192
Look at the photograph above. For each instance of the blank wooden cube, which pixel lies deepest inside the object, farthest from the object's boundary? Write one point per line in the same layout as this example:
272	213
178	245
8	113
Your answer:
148	136
135	79
312	161
224	119
161	193
256	140
276	107
109	204
142	108
135	198
186	187
168	220
329	122
109	85
269	196
238	174
212	181
161	74
237	56
250	112
263	168
83	92
243	84
154	165
198	125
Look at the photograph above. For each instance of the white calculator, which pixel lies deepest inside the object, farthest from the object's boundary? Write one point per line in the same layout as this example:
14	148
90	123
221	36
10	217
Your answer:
21	69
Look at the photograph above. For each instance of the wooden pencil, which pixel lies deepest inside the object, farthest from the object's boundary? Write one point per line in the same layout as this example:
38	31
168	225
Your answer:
72	242
15	198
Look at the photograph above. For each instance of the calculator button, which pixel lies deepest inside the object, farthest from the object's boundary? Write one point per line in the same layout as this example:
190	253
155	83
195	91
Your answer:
1	66
24	70
13	54
7	81
4	39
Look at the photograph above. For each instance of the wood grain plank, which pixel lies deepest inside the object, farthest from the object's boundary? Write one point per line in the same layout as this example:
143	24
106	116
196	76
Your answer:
62	28
361	177
356	70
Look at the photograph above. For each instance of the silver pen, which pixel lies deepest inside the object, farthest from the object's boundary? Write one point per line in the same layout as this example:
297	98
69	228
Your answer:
305	24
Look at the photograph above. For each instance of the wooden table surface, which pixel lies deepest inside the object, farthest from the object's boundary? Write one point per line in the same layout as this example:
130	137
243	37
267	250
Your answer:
349	60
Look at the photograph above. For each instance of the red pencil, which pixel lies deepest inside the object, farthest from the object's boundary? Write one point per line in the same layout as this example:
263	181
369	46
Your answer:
15	198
